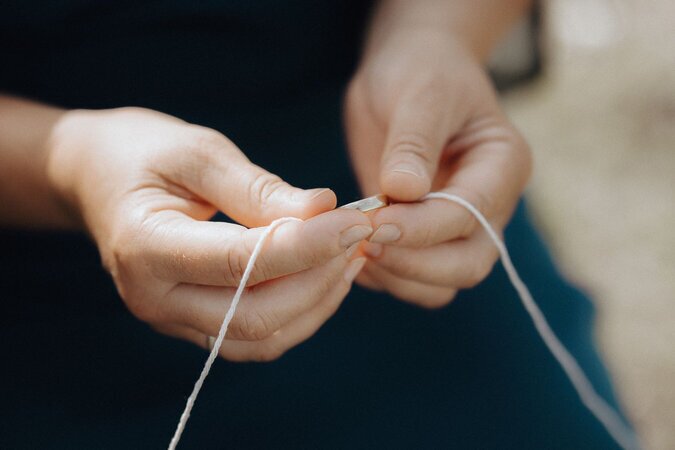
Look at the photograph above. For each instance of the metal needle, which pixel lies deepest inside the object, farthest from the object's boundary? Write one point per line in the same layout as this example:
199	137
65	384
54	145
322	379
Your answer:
368	204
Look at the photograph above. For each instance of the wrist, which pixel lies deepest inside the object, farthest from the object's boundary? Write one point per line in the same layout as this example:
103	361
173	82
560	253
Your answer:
412	56
65	158
418	37
475	25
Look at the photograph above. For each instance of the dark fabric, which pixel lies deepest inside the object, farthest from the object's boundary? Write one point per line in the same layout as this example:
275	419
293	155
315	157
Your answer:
78	371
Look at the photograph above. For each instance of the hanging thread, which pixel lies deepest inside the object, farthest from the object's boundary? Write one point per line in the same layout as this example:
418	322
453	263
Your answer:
609	418
223	328
621	433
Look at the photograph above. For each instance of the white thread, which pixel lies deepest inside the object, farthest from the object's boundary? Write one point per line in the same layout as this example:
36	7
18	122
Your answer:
589	397
223	329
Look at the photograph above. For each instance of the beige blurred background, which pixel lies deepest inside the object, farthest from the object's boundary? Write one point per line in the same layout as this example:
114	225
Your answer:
601	123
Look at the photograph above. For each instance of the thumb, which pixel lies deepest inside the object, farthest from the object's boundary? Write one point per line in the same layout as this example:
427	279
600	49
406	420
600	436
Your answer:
419	129
221	174
257	197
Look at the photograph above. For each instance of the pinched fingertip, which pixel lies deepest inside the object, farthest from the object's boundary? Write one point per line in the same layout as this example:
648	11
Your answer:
311	202
405	183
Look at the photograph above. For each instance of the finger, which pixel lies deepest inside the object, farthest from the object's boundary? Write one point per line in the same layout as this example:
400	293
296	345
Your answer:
288	336
490	170
365	138
367	281
421	294
217	171
297	331
263	309
423	224
491	165
458	264
177	248
423	120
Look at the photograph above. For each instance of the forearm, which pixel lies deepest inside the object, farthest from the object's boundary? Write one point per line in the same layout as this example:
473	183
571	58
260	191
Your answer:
27	198
476	24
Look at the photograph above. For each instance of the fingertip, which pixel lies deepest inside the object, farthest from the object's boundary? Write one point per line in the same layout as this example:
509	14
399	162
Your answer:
314	201
352	216
404	185
353	269
322	197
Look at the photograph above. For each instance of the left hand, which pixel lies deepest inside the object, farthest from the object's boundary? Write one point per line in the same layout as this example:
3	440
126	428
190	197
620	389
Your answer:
422	115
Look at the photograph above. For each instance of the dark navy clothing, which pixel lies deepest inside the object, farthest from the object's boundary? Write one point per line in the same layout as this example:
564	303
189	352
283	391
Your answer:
78	371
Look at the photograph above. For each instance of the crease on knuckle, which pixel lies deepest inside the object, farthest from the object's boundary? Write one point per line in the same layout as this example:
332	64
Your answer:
189	163
236	261
125	259
263	188
262	270
257	325
413	145
430	232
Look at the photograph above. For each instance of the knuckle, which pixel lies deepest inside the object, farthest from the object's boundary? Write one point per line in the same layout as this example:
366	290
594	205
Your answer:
207	138
436	300
261	271
236	266
478	271
256	325
468	223
237	259
192	154
399	266
144	309
140	310
123	249
483	204
430	232
412	145
268	351
326	282
123	255
263	188
425	297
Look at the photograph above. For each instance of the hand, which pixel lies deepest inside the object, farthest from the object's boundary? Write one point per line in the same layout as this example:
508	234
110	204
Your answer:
145	185
421	115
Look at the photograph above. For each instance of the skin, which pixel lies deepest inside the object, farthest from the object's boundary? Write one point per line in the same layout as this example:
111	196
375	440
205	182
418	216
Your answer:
420	114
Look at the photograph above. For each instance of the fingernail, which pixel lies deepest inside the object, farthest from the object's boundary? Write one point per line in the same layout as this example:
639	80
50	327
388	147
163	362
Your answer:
409	169
353	269
351	250
354	234
385	233
373	250
310	194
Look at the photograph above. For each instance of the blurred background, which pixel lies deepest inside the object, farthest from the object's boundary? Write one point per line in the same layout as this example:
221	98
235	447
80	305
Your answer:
601	123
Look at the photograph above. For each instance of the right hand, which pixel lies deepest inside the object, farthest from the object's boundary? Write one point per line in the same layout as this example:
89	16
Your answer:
145	185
